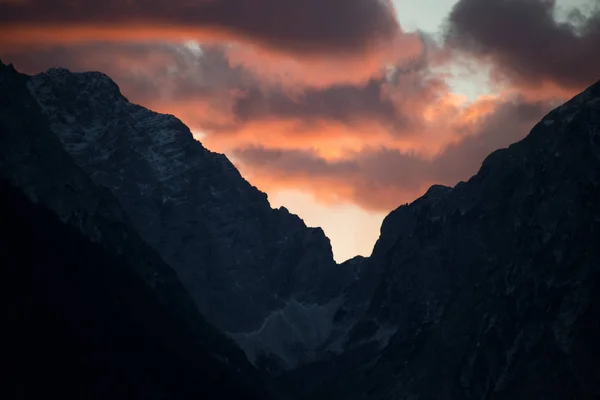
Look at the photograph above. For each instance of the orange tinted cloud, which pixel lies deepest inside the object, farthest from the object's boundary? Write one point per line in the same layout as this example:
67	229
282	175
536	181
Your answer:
235	104
291	71
436	122
383	178
294	26
375	142
287	70
289	43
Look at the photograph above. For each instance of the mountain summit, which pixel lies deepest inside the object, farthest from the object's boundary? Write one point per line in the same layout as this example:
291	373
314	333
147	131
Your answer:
259	274
92	310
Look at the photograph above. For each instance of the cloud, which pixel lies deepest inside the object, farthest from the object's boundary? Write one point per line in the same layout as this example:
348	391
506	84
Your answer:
292	70
404	108
297	26
382	178
526	43
347	104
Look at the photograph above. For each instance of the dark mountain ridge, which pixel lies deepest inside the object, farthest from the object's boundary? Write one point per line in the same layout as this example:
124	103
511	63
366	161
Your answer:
93	311
488	290
219	233
493	285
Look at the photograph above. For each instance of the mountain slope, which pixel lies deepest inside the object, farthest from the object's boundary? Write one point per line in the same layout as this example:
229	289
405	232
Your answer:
488	290
101	298
257	273
493	285
80	324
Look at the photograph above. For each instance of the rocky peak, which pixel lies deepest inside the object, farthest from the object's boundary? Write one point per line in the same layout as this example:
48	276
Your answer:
33	161
100	299
257	273
87	82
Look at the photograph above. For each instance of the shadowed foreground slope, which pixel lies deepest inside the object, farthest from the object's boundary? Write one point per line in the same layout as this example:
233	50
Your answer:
82	325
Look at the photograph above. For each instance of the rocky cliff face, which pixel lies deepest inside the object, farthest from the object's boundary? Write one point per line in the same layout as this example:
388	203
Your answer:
92	310
258	273
491	288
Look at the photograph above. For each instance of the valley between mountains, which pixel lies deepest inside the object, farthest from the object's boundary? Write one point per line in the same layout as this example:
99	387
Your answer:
139	264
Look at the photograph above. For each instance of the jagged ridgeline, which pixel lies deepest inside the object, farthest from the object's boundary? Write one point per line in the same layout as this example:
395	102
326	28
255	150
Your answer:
492	286
93	311
257	273
487	290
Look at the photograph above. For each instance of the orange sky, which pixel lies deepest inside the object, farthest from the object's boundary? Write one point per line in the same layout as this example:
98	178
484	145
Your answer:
341	117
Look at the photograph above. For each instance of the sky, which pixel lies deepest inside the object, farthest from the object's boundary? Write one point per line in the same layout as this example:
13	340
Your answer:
340	110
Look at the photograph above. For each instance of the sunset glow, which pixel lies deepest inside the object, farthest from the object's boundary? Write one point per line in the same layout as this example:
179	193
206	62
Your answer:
340	124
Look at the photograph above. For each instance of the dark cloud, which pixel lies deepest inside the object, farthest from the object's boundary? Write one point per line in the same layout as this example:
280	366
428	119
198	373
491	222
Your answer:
383	178
347	104
525	41
300	26
388	100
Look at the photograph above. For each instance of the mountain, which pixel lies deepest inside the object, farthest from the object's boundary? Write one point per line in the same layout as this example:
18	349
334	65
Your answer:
257	273
487	290
80	324
491	289
91	310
